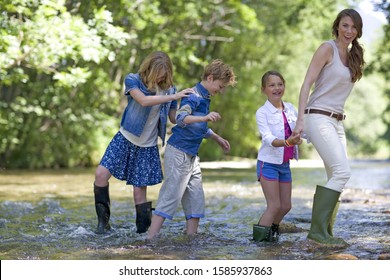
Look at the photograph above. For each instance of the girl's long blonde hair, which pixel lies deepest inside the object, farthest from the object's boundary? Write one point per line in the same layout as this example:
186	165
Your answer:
355	54
156	65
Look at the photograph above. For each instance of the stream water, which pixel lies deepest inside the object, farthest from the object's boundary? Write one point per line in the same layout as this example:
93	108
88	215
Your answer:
50	215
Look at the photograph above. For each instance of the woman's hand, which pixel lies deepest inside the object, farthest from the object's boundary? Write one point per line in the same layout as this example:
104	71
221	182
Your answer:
298	128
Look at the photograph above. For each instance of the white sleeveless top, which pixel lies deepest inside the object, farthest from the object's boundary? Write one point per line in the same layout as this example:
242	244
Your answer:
333	85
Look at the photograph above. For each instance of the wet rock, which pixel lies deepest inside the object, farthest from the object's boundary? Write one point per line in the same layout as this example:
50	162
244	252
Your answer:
324	247
386	211
385	256
290	228
303	220
341	257
3	223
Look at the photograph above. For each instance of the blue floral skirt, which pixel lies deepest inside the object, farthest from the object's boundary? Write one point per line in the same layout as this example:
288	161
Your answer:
138	166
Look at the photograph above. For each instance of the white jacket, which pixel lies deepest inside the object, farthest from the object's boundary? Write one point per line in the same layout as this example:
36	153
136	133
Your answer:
271	126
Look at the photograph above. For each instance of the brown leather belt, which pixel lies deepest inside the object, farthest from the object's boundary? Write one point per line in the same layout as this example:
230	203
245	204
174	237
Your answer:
337	116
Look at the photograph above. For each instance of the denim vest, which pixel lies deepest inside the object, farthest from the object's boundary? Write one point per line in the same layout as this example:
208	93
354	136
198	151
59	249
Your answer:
135	115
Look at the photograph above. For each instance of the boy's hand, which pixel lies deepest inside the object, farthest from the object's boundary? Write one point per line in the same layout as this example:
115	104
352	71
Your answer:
225	145
213	117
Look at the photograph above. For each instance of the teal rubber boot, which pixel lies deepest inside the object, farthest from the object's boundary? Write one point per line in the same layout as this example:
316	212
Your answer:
324	204
262	233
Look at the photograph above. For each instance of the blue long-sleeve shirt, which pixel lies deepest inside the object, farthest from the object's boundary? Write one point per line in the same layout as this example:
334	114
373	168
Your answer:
188	137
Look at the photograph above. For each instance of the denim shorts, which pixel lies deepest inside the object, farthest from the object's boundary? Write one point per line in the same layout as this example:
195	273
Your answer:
274	172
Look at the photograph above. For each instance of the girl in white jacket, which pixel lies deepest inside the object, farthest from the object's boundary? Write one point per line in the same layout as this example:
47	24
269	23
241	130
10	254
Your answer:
276	121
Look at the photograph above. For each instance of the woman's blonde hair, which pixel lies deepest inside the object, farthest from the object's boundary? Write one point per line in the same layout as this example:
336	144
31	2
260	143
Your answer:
155	66
355	54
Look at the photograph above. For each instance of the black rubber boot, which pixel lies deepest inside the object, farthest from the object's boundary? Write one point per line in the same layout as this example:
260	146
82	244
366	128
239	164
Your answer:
143	216
275	230
102	205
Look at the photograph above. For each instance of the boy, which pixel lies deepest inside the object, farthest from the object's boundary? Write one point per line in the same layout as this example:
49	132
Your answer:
183	175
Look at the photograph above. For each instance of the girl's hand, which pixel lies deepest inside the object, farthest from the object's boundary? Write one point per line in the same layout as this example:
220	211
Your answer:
294	139
183	93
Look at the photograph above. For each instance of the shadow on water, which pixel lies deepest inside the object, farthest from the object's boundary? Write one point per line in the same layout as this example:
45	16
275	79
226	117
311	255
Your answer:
51	215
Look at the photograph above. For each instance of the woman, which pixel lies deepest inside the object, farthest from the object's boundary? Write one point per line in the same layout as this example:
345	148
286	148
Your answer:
335	67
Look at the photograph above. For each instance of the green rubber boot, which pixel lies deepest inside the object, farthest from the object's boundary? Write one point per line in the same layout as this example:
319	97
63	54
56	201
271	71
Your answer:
324	204
262	233
333	218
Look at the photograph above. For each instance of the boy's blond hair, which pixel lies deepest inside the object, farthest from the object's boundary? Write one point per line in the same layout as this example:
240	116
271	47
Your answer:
220	71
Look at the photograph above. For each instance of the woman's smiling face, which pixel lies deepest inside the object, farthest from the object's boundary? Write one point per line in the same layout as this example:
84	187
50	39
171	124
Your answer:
347	31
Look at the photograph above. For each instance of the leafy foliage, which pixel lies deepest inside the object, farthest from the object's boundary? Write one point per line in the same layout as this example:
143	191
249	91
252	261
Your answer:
381	64
62	65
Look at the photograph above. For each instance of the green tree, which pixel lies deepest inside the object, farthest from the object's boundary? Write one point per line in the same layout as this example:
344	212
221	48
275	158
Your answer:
62	65
382	65
48	89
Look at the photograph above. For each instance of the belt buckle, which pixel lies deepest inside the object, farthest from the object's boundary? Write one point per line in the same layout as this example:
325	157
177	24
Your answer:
339	117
